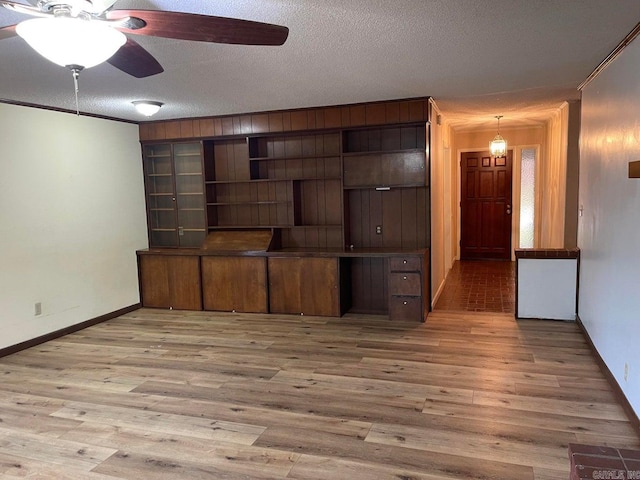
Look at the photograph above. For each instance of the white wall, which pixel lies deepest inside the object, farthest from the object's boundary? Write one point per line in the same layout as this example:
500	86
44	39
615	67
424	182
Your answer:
553	181
609	230
72	214
439	265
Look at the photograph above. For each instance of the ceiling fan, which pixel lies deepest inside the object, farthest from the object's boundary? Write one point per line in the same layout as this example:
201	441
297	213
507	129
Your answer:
82	33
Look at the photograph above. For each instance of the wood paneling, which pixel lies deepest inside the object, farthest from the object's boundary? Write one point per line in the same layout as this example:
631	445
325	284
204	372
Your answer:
357	115
402	215
235	284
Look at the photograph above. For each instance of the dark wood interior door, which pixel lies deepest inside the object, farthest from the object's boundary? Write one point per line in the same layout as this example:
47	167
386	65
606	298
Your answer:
485	206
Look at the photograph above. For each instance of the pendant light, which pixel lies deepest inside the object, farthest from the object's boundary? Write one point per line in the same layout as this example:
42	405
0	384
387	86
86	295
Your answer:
498	146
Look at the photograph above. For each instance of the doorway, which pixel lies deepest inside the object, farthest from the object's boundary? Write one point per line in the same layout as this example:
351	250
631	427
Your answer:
485	206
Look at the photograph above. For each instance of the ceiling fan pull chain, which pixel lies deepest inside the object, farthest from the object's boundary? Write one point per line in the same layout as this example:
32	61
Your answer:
75	71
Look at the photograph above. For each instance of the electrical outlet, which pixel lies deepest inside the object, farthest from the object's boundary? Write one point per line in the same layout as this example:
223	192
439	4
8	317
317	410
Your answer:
626	371
378	229
38	308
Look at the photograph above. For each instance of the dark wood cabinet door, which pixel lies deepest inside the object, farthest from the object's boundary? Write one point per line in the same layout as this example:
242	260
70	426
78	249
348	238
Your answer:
170	282
235	284
304	285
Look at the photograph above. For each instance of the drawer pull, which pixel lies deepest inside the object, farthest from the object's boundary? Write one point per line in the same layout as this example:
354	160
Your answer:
404	303
404	277
404	261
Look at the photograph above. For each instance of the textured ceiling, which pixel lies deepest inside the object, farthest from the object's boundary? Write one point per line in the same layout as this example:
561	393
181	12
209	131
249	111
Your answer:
477	58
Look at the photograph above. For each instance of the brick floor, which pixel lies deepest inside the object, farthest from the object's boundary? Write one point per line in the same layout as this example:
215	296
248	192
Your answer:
479	286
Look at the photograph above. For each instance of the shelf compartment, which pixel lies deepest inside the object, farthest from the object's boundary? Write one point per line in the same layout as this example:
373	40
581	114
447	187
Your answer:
402	213
368	285
312	236
244	214
379	152
317	202
385	169
296	168
387	139
294	146
250	181
226	160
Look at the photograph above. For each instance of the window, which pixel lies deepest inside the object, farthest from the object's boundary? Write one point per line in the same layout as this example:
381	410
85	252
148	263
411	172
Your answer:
527	197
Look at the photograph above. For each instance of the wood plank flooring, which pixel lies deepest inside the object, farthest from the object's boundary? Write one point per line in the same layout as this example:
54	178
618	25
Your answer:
197	395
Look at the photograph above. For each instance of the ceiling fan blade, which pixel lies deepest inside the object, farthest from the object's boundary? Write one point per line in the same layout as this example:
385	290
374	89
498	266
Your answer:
131	58
26	9
202	28
8	32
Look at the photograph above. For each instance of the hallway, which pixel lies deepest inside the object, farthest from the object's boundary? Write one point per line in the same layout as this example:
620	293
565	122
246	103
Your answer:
479	286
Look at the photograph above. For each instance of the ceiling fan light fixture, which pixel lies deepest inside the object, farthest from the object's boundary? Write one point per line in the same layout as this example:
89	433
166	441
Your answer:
147	107
498	146
69	41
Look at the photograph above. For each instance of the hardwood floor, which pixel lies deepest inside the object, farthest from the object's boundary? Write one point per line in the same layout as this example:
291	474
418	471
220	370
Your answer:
194	395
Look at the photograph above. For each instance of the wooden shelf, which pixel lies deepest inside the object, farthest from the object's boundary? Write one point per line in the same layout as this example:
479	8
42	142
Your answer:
159	175
318	226
384	188
188	174
257	180
161	209
213	228
268	202
382	152
168	194
299	179
296	157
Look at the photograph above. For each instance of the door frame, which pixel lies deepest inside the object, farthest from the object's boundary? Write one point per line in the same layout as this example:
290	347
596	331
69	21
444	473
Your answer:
515	193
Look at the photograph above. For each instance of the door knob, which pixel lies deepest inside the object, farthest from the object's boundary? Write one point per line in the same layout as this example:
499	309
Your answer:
508	209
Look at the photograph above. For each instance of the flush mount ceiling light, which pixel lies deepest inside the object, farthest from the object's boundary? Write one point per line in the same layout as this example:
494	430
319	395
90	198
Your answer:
498	146
71	42
147	107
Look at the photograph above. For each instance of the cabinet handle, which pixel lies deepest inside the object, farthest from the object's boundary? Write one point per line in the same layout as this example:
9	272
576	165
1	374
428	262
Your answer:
404	261
404	278
404	303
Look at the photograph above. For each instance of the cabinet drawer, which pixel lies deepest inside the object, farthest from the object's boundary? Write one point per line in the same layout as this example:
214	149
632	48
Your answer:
405	284
404	264
405	308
